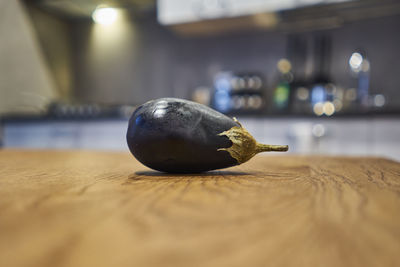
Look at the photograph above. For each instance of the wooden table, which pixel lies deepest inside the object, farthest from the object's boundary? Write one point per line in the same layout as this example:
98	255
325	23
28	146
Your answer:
105	209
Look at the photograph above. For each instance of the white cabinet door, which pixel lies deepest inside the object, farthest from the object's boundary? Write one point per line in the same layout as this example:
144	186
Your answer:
331	136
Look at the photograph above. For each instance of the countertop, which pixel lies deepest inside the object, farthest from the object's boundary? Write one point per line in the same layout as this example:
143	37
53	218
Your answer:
83	208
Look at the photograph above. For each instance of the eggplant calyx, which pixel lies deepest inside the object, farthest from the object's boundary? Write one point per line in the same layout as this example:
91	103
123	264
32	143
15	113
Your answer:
244	146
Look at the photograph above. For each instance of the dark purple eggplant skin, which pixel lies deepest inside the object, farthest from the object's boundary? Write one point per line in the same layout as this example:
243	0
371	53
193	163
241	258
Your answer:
179	136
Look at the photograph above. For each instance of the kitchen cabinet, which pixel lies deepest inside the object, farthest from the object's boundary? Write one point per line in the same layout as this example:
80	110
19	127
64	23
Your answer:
331	136
183	11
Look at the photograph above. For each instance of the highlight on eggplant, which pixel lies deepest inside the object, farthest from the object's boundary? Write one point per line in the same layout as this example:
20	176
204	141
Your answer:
180	136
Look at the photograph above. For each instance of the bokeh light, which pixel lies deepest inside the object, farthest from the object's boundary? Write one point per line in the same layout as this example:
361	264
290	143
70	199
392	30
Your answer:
318	109
356	61
328	108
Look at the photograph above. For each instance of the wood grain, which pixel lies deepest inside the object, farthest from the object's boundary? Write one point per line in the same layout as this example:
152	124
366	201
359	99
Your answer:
105	209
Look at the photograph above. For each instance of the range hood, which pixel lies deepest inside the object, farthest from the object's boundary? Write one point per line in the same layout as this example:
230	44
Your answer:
172	12
207	17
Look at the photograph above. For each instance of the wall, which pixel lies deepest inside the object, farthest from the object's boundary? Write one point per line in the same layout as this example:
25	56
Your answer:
380	39
154	62
53	35
148	61
26	85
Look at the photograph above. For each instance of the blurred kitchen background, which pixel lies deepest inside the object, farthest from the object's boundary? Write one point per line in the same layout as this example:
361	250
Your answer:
320	75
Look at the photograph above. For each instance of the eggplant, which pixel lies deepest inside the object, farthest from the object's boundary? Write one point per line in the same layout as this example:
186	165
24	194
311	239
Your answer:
179	136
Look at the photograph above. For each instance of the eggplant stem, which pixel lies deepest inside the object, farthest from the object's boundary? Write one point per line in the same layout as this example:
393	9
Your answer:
266	148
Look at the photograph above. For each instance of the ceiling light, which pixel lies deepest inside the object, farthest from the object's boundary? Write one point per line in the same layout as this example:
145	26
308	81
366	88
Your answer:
105	15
